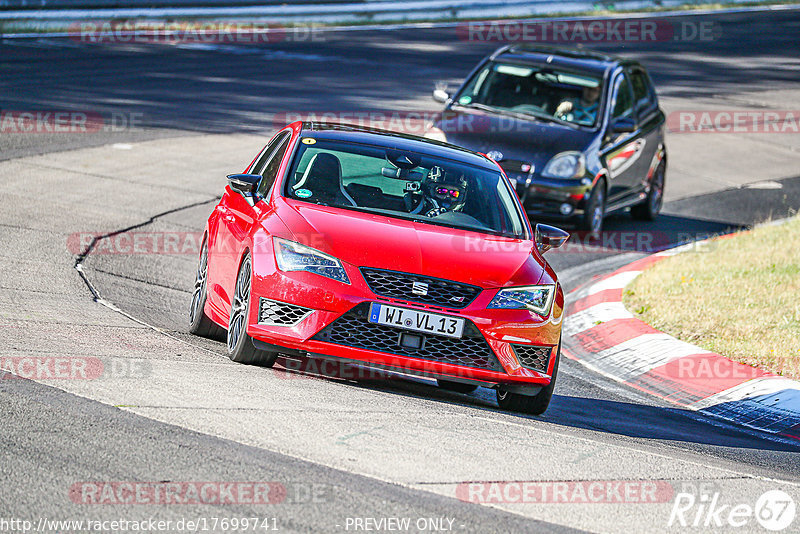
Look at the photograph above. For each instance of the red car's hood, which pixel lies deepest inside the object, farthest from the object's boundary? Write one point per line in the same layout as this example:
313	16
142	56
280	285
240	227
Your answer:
368	240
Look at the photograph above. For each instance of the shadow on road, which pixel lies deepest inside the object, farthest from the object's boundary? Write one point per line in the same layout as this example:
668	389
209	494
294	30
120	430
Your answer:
653	422
236	87
619	417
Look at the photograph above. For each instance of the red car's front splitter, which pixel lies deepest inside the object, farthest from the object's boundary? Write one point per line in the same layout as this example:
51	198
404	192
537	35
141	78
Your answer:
403	364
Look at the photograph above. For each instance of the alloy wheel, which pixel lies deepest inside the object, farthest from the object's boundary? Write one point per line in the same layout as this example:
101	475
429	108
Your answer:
657	195
597	212
241	297
199	285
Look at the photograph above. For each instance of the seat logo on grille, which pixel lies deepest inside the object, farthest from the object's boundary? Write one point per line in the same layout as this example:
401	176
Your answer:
419	288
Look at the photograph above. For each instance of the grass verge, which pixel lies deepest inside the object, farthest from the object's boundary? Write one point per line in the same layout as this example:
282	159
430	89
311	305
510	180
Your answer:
741	299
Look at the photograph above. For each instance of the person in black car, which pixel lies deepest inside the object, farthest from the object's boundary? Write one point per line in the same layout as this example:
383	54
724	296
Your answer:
583	109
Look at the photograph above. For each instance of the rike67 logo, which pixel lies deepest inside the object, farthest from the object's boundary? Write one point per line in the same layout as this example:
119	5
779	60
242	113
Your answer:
774	510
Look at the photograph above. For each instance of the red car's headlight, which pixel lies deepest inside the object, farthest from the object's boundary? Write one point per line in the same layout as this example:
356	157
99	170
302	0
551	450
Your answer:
535	298
291	256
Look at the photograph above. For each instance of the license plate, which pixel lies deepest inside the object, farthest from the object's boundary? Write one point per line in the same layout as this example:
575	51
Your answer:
418	321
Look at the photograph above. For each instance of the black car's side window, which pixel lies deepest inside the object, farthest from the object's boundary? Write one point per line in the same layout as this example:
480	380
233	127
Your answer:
643	94
623	98
271	166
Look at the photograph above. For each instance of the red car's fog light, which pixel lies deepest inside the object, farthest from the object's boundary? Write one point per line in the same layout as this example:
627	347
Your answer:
275	313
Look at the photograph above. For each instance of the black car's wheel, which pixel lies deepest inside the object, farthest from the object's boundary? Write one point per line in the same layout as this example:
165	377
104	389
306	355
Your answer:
240	344
199	323
458	387
595	212
650	206
536	404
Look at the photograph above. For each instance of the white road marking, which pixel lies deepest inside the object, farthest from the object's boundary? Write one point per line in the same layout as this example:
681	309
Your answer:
597	314
616	281
644	353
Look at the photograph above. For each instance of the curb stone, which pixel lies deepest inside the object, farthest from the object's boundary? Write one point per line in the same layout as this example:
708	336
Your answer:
605	337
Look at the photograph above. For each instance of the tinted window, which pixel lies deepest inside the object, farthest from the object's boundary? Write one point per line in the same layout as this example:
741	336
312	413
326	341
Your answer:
642	92
272	167
265	155
623	99
405	185
536	91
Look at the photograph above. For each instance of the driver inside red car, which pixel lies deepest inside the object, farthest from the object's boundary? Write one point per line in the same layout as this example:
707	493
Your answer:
439	192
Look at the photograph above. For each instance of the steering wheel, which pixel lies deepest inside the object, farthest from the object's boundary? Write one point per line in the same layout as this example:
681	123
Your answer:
435	212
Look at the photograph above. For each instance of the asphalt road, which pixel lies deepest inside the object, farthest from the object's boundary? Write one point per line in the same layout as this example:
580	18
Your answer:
374	449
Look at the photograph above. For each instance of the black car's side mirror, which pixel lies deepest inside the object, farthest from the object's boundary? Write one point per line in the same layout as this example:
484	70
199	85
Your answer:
441	96
245	184
548	237
623	125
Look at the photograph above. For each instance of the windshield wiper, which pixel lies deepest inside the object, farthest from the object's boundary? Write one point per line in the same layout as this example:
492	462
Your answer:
482	107
544	118
551	118
519	114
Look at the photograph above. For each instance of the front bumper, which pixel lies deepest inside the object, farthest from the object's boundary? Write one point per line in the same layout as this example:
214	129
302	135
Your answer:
490	352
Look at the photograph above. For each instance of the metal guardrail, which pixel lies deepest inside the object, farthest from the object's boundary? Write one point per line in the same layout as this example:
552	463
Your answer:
19	14
126	4
289	6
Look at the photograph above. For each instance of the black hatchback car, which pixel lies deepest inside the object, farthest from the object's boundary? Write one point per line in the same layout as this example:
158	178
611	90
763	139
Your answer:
580	133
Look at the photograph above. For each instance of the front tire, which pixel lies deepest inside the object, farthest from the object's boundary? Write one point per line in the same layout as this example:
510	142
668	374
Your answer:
240	344
199	323
535	404
648	209
595	212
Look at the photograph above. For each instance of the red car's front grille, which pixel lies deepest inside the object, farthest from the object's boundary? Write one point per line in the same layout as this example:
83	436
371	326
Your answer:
418	288
354	330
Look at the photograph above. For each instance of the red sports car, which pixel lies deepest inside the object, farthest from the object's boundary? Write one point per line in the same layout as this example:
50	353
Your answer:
388	251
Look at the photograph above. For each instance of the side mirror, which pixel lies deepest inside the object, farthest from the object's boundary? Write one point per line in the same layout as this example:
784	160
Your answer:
623	125
548	237
245	184
441	96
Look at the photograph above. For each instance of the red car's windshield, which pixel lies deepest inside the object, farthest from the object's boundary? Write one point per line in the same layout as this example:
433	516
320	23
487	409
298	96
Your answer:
404	184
